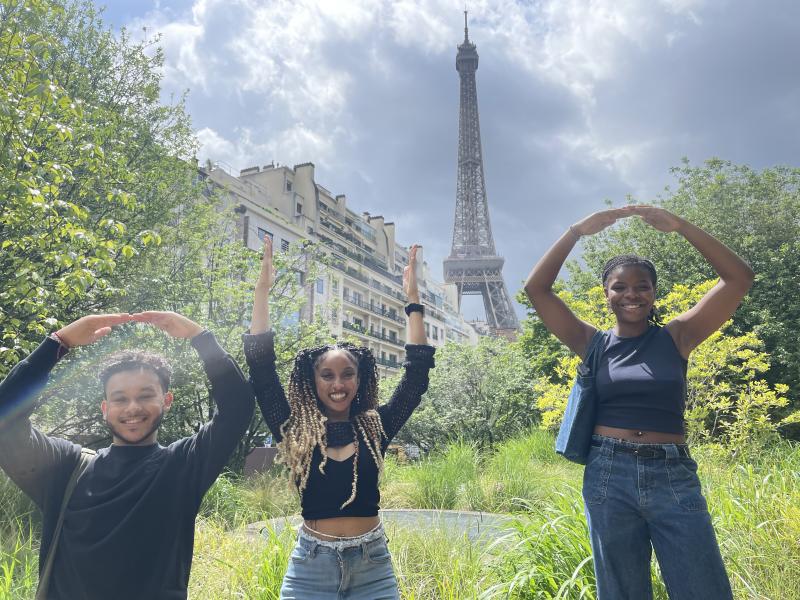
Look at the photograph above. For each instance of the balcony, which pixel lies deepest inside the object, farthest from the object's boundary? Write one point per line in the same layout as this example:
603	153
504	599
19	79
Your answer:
374	309
373	334
388	363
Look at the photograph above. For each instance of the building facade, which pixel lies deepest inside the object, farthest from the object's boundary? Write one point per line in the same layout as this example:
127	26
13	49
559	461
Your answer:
362	295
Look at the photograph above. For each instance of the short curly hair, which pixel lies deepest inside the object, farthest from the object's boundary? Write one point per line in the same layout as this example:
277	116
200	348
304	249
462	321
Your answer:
134	360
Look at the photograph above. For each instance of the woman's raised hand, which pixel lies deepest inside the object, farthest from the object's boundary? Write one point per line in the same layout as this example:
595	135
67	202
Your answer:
267	275
598	221
410	276
658	218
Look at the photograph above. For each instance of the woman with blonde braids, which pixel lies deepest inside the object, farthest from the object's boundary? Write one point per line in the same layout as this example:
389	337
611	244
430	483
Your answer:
332	436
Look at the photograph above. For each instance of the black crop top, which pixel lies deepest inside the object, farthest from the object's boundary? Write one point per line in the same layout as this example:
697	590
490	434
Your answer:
641	382
325	493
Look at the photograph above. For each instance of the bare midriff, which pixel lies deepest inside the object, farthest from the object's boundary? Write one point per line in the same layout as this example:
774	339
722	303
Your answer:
640	436
339	527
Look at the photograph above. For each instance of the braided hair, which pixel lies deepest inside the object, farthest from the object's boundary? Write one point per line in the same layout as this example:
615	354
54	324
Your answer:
305	428
634	260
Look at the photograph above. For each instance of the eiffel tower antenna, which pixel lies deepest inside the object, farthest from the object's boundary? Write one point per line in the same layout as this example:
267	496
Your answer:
473	265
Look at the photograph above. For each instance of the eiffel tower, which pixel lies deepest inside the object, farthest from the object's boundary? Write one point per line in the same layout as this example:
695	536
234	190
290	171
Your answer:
473	264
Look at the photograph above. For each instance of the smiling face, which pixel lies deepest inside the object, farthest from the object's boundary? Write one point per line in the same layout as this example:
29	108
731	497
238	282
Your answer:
134	405
336	380
630	294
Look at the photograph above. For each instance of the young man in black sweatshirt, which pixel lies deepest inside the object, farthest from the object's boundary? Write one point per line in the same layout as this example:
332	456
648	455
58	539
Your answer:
128	530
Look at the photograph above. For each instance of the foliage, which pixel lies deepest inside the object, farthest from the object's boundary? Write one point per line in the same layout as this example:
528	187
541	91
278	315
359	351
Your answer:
480	394
757	214
727	397
88	164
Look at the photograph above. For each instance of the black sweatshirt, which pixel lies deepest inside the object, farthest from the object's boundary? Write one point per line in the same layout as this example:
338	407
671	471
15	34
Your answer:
128	531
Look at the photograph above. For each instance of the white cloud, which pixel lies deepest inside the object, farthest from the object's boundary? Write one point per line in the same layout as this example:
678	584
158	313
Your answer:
580	100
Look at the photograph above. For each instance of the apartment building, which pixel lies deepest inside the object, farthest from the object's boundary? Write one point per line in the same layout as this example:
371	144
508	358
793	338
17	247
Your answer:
362	296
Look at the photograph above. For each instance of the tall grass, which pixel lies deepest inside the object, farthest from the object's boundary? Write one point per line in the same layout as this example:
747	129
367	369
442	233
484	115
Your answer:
755	506
19	546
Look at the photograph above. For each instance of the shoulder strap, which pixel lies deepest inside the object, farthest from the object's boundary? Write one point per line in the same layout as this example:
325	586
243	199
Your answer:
595	350
84	459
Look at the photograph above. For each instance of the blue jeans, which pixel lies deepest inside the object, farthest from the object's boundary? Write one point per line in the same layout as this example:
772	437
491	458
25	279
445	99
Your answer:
362	572
651	499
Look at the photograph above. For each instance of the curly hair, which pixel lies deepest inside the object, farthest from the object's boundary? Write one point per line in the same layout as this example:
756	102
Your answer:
634	260
305	428
134	360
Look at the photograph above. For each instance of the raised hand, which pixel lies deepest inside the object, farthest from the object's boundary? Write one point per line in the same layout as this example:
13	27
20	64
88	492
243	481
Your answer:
658	218
267	275
410	276
598	221
90	328
173	323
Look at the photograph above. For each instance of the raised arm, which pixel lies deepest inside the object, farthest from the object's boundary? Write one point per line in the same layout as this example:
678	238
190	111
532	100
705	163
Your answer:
691	328
260	321
419	360
40	465
259	351
416	325
207	452
553	312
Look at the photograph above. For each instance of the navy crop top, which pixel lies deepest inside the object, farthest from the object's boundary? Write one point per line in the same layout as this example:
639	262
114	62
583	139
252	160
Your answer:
641	382
325	493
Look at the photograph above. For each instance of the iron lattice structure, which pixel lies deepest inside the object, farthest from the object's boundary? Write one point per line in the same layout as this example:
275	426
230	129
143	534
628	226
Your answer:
473	264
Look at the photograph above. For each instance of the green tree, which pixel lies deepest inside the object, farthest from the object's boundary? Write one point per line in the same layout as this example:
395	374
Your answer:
89	164
479	394
757	214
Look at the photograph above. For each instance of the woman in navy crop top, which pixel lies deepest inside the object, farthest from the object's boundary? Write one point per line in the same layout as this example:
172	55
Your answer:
640	485
332	436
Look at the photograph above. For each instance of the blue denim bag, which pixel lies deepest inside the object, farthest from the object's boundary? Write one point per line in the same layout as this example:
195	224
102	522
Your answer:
575	434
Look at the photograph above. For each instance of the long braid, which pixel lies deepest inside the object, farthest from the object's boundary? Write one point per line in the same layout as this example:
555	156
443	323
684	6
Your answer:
305	428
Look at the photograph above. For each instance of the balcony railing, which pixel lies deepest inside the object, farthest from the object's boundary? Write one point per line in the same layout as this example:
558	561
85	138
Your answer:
387	363
373	334
375	309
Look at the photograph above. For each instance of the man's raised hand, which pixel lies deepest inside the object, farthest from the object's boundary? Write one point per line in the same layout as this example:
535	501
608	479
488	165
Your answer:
90	328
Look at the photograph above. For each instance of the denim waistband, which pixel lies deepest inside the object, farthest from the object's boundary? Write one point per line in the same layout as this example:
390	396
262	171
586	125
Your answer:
370	536
648	450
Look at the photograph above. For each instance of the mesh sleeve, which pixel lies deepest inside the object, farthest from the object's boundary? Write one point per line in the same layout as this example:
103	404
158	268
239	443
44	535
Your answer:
414	383
259	352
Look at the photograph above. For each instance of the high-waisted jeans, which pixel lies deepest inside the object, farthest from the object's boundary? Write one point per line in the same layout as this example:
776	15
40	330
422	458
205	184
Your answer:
359	569
643	500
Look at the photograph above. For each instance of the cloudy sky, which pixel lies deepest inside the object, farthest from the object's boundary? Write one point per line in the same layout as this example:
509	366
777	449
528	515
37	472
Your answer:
580	100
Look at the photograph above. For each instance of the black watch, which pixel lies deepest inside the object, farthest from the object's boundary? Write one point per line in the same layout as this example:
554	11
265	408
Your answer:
414	307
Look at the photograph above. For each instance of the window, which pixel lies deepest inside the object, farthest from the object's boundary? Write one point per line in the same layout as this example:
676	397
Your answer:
383	355
393	336
262	233
335	284
358	323
435	332
393	359
288	186
320	285
298	208
284	245
427	329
